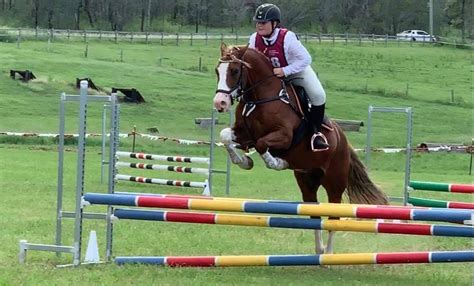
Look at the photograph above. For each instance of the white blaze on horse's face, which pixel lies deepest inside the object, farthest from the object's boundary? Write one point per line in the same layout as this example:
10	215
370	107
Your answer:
222	100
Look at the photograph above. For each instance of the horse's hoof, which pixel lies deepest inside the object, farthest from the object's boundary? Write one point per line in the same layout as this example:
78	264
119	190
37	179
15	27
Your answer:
321	251
247	164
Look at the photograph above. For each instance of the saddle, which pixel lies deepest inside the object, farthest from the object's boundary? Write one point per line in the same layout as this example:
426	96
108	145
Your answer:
303	104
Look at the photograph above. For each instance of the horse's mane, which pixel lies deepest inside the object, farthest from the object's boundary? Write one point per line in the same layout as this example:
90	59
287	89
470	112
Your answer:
237	52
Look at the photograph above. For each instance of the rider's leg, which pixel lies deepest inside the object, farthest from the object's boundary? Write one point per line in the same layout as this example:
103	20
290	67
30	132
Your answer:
317	97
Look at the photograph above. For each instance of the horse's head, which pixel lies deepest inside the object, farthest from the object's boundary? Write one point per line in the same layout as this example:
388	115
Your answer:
229	72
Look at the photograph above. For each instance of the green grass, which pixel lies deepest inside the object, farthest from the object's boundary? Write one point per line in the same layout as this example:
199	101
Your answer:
176	93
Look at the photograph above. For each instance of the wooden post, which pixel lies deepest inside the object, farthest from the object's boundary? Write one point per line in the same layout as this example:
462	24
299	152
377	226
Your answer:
471	151
134	134
191	41
200	63
161	40
177	39
18	39
86	52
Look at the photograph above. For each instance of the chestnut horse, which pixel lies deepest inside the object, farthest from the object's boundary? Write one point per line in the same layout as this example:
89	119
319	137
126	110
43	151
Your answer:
268	119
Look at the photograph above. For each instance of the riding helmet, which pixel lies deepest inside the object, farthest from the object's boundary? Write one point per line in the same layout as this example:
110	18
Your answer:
267	12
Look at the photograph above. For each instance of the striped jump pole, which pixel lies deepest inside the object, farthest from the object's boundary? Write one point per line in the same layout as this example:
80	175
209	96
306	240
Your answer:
295	223
178	169
333	210
176	183
201	197
302	260
201	160
421	202
442	187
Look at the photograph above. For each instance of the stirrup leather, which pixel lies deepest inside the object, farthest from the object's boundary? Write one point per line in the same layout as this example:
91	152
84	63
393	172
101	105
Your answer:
321	135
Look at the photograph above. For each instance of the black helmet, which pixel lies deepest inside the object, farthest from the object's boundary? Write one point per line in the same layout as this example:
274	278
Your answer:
267	12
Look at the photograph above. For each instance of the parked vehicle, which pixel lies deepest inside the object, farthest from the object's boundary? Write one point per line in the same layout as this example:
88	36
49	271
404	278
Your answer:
416	35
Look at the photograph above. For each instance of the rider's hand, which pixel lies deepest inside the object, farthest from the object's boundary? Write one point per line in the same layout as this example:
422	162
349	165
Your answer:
279	72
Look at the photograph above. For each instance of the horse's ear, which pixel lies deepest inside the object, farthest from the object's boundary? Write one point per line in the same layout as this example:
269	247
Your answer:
223	49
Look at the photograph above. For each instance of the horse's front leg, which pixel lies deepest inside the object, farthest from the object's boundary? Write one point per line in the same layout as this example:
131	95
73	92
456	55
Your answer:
241	160
277	140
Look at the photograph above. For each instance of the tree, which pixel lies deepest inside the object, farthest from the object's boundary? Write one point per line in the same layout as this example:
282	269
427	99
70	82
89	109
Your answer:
296	12
87	9
36	11
234	12
460	14
77	15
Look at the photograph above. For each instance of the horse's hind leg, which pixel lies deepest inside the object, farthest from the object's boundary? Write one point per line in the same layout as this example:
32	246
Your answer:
309	184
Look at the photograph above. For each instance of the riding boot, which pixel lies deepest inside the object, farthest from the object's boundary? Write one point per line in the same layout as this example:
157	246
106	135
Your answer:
318	140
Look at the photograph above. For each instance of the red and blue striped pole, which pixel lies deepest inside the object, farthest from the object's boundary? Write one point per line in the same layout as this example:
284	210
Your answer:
301	260
295	223
333	210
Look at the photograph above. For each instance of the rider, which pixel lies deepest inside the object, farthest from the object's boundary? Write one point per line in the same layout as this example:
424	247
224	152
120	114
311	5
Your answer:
290	59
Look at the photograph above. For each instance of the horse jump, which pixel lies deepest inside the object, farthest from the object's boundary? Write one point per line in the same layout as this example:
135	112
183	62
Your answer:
294	223
440	187
328	209
167	182
302	260
294	208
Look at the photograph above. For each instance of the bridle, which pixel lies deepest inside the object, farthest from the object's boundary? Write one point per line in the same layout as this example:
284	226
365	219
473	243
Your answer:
238	92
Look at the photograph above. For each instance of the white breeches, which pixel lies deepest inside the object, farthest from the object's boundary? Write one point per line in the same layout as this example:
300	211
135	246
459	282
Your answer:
310	82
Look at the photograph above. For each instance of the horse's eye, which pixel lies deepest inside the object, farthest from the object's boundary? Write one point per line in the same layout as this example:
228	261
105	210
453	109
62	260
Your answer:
234	71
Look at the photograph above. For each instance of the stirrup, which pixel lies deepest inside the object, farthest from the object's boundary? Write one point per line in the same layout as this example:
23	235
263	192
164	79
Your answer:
321	135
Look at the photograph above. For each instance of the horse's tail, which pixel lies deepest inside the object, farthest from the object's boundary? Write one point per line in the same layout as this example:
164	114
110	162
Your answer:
360	188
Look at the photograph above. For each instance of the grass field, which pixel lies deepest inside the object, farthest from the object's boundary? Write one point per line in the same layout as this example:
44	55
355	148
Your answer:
176	92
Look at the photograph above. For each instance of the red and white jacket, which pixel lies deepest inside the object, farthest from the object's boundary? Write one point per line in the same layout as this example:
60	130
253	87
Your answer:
283	49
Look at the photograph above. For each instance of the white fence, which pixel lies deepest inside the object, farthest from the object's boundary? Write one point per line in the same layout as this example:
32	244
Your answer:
116	36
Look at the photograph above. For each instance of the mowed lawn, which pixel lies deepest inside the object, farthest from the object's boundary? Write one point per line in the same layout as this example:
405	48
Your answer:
434	81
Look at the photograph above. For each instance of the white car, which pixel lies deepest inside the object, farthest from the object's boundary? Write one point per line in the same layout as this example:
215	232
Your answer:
416	35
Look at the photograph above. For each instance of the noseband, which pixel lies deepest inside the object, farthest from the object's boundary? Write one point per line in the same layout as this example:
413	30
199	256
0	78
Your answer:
238	91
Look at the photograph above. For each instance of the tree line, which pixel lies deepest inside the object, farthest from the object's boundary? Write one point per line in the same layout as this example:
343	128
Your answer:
451	17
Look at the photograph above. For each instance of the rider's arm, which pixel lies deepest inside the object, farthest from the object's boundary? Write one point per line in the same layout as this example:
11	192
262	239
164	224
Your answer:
296	54
252	41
